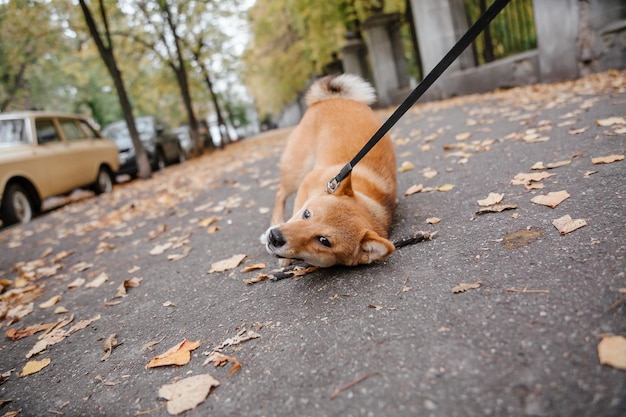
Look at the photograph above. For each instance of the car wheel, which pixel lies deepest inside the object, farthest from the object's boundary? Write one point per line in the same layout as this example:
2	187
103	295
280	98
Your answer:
161	162
17	205
181	155
104	182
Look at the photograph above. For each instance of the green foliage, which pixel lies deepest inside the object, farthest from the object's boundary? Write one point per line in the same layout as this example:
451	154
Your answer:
292	40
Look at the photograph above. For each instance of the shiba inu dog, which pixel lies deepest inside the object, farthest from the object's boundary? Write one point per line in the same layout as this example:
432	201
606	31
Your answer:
351	225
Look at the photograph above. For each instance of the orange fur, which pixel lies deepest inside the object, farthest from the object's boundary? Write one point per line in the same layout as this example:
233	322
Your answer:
355	219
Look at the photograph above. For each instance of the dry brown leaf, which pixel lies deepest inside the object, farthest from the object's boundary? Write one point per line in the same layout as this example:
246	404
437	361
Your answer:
462	287
526	179
15	334
492	199
60	310
226	264
375	307
98	281
260	277
253	267
179	256
208	221
243	336
433	220
109	344
76	283
406	166
606	159
52	301
414	189
566	225
573	131
445	187
612	352
463	136
496	209
610	121
429	173
187	393
159	249
551	199
219	359
176	355
542	166
32	367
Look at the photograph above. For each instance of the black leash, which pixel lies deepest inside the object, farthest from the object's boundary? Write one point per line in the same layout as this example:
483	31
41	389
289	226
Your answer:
435	73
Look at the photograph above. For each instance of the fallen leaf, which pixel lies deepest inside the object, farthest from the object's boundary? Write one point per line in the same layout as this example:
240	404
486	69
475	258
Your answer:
492	198
208	221
176	355
128	283
496	209
526	179
375	307
52	301
226	264
260	277
566	225
159	249
219	359
406	166
587	174
433	220
573	131
15	334
607	159
60	310
109	344
521	238
463	136
612	352
541	166
462	287
243	336
611	121
76	283
187	393
429	173
253	267
134	269
414	189
98	281
32	367
179	256
551	199
445	187
169	304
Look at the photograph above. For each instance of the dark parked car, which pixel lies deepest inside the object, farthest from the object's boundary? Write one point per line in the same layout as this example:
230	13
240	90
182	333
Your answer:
159	140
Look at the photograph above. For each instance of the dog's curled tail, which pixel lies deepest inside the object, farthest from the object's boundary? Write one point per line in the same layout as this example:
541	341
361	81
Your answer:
347	86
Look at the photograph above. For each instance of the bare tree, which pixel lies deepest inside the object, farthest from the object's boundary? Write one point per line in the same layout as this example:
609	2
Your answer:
105	48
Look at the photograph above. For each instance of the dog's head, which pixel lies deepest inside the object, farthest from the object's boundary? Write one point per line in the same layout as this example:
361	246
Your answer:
329	229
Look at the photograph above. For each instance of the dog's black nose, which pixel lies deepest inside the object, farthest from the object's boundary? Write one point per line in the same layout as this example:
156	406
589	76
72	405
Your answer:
276	238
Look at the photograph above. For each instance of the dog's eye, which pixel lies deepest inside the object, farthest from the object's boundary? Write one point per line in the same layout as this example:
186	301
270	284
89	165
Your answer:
324	241
306	214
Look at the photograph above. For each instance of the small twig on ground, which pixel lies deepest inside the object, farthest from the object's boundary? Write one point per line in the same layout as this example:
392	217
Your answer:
416	238
351	384
292	271
152	410
403	288
527	291
617	303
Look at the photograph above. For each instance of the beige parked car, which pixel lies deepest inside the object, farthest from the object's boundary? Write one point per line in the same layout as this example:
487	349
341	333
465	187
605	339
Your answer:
44	154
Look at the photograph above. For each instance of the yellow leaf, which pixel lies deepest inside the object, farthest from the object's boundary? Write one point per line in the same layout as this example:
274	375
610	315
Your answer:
406	166
32	367
612	352
445	187
176	355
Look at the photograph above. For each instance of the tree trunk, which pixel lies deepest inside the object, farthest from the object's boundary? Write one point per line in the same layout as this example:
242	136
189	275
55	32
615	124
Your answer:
106	53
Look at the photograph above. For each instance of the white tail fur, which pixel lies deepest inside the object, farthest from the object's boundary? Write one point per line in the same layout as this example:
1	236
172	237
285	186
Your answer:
347	86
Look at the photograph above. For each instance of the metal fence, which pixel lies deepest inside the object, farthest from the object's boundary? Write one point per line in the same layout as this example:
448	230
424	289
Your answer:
512	32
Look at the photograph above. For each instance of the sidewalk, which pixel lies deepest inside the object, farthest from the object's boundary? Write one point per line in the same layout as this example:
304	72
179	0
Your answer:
401	337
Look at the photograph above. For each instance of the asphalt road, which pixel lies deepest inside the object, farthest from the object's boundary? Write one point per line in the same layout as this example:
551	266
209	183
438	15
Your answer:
389	339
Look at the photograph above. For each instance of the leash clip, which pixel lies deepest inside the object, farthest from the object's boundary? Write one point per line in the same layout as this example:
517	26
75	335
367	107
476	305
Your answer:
332	185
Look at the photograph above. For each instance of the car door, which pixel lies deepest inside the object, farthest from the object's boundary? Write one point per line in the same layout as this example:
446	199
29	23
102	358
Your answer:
51	153
82	153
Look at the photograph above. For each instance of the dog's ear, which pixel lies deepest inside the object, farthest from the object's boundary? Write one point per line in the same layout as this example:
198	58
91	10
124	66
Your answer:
374	247
345	187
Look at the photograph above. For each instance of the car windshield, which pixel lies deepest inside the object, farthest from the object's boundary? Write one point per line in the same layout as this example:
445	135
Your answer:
12	132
